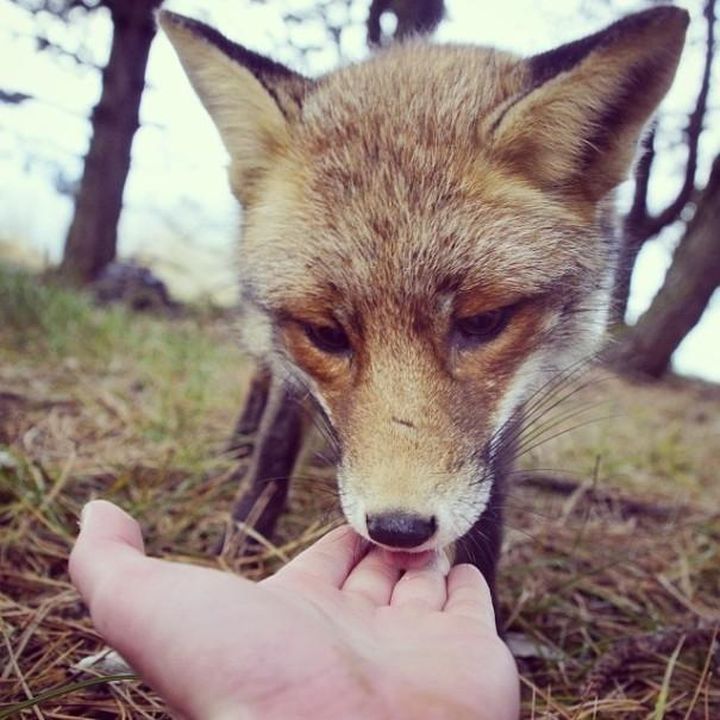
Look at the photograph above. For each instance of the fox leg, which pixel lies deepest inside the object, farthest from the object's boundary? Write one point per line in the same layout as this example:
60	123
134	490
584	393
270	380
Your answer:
269	433
242	442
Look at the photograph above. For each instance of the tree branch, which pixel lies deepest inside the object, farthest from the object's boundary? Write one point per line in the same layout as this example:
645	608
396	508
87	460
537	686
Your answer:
43	44
653	225
14	98
638	214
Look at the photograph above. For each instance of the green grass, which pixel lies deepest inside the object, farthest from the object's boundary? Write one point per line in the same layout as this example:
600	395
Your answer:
164	377
46	317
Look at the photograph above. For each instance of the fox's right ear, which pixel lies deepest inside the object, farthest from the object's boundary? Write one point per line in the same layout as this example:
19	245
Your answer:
575	127
251	99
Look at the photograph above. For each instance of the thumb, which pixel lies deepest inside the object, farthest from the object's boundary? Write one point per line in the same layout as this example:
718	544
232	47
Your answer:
108	535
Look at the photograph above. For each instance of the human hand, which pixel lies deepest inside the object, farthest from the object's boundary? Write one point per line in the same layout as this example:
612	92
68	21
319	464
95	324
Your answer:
336	633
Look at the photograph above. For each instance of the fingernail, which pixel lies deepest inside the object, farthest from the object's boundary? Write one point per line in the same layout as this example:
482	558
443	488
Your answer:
85	514
443	562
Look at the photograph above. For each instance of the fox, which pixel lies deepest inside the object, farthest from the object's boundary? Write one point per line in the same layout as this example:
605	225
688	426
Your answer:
429	239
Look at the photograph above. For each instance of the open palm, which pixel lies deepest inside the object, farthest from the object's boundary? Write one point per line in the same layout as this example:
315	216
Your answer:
337	633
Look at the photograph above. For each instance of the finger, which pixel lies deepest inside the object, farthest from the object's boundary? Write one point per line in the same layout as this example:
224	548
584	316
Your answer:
424	588
372	578
106	532
109	568
330	559
469	595
164	618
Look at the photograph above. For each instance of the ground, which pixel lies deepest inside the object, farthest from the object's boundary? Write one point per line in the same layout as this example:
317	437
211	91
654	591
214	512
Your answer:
610	579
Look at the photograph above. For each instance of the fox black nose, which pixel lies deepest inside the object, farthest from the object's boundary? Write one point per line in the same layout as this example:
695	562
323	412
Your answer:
400	530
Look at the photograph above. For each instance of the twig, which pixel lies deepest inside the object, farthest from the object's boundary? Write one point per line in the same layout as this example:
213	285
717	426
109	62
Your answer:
12	662
703	674
628	506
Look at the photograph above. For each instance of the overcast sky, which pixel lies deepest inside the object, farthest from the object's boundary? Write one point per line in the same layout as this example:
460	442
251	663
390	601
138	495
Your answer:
179	215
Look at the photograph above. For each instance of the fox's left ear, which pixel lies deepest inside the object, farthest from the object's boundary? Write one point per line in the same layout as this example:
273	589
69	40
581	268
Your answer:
251	99
576	127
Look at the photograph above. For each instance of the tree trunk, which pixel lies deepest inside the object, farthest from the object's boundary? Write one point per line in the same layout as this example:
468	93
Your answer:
694	275
92	238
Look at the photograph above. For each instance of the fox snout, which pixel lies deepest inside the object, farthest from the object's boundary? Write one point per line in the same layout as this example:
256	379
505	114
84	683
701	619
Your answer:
412	489
431	515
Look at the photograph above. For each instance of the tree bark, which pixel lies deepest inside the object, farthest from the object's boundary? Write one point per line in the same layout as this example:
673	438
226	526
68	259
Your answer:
92	238
694	275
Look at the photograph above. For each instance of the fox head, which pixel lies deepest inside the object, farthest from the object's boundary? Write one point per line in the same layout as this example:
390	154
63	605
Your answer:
427	241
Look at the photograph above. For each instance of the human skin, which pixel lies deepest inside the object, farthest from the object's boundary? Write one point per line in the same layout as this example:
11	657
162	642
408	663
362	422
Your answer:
339	632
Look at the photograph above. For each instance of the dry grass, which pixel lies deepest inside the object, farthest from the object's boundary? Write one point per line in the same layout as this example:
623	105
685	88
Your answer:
610	581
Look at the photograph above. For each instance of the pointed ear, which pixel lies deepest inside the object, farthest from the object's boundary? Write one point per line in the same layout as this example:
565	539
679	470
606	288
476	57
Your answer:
576	127
251	99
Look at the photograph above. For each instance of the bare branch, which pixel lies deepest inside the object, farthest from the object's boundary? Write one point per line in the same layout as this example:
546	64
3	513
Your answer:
654	225
43	43
637	215
14	98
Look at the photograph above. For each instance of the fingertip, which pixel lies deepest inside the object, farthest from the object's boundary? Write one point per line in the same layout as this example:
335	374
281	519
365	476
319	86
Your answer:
467	573
466	578
422	588
104	529
330	558
469	594
101	521
344	543
372	578
345	536
442	562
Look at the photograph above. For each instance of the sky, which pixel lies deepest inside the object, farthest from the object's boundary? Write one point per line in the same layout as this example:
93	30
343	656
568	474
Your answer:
179	216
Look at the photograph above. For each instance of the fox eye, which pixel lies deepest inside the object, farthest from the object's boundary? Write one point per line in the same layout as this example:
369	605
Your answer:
328	338
483	327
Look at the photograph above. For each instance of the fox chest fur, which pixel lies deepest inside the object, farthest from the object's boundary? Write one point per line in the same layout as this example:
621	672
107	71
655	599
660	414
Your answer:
427	242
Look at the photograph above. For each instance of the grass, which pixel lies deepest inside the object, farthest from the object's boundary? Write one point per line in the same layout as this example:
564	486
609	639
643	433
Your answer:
34	313
611	570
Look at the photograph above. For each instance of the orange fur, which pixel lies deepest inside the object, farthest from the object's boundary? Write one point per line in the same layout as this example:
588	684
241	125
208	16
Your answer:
395	197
